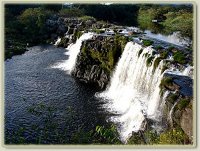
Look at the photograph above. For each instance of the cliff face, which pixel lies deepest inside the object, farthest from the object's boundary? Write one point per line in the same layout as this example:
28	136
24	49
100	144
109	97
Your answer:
97	59
179	102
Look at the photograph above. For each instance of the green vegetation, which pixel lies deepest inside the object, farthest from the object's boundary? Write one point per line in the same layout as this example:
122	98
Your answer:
164	68
156	63
72	12
98	31
166	81
172	98
164	54
169	19
147	42
173	136
183	103
179	57
149	61
139	53
85	18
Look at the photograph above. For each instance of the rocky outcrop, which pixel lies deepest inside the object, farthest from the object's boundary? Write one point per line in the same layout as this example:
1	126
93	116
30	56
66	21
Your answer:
97	59
179	102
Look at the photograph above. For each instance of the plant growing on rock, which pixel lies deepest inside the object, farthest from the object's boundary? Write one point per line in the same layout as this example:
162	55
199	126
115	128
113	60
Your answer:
156	63
147	42
166	82
149	61
179	57
139	53
172	98
183	103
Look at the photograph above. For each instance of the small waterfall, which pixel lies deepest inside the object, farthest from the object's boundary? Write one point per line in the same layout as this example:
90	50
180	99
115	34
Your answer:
133	93
73	51
188	71
57	41
171	112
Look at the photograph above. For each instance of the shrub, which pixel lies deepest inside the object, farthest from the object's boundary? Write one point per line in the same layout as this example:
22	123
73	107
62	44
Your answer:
172	98
85	18
71	12
183	103
98	31
159	47
147	42
179	57
166	81
164	54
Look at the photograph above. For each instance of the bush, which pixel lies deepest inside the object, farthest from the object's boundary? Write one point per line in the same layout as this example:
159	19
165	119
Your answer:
147	42
179	57
166	81
85	18
183	103
172	98
164	54
173	136
33	20
71	12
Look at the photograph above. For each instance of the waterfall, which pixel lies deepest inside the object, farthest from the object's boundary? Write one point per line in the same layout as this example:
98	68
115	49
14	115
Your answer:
73	51
188	71
133	93
171	112
57	41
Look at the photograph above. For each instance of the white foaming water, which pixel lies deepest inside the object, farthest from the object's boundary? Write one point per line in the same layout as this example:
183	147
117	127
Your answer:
57	41
133	92
188	71
73	51
173	38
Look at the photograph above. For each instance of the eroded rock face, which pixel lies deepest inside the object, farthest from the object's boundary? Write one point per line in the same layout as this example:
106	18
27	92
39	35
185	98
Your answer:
97	60
182	114
186	122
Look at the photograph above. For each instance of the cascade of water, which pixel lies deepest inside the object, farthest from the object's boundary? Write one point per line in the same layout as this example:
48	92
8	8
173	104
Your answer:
188	71
73	51
57	41
133	93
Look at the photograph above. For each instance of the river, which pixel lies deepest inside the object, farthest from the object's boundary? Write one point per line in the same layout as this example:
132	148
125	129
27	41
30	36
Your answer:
46	105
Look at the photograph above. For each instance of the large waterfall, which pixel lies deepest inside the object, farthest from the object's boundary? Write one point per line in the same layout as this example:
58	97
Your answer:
133	93
73	51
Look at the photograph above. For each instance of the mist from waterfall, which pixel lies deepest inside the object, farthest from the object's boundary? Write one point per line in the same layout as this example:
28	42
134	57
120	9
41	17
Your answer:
73	51
133	93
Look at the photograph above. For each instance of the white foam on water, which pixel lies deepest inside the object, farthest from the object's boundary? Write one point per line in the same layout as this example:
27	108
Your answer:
73	51
133	92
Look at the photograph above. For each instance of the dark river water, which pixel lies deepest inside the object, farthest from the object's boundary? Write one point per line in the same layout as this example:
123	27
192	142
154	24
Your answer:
46	105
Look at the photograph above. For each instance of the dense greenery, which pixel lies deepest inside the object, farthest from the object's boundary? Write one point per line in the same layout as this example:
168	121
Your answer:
125	14
147	42
169	18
